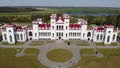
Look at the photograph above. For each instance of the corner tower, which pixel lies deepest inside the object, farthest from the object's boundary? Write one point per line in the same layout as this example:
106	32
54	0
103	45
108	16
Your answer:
35	30
108	33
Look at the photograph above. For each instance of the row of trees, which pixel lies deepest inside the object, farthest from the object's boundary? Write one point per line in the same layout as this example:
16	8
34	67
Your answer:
98	20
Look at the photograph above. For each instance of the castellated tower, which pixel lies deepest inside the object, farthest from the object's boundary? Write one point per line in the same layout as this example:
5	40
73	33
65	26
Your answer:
10	33
83	28
35	29
66	26
108	34
53	28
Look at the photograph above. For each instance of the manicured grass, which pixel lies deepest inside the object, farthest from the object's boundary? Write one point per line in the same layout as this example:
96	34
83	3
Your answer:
110	60
109	52
36	43
50	41
87	51
31	51
81	43
18	43
70	41
102	44
59	55
8	60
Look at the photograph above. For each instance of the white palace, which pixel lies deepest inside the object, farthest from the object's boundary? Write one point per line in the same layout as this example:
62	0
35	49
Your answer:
59	28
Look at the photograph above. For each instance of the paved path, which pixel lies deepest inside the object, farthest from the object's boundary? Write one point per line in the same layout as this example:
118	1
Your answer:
59	44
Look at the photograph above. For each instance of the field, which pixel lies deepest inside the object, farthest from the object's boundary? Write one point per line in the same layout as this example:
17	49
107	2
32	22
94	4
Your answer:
98	16
8	59
111	59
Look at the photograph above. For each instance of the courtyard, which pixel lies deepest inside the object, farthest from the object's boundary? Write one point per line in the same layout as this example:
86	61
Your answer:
54	54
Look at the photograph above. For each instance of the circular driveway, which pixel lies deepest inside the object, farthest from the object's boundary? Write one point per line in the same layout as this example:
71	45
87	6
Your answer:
42	56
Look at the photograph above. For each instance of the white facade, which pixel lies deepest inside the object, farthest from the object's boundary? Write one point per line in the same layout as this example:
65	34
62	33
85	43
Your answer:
59	28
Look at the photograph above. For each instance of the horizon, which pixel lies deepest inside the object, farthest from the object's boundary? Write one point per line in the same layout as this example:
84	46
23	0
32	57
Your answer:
62	3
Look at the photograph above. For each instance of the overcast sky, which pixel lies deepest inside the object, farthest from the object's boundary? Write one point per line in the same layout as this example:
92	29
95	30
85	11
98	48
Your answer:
79	3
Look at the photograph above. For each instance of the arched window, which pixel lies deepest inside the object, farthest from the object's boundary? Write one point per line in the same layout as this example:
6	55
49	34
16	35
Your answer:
21	36
10	38
53	34
66	27
88	34
17	36
83	35
101	36
5	36
35	34
62	27
97	36
30	33
66	34
57	27
52	27
108	38
113	37
79	34
57	34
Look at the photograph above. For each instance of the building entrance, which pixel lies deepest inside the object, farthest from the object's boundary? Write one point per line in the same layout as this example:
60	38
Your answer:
59	38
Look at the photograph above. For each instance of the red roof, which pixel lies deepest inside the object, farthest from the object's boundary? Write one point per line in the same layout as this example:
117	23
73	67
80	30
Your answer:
59	18
44	26
100	29
19	28
74	26
109	25
10	24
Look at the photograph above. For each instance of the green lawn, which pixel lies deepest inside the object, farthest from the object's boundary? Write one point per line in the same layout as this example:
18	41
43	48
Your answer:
110	60
50	41
8	60
82	43
31	51
66	41
102	44
87	51
36	43
18	43
109	52
59	55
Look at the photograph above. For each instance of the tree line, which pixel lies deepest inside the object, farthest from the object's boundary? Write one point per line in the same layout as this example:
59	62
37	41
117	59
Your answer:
98	20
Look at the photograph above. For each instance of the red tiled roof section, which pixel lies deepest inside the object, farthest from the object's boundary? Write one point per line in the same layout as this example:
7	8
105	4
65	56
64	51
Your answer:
100	29
109	25
19	28
10	24
59	18
74	26
44	26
